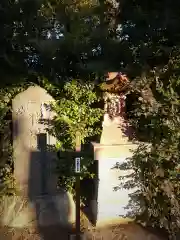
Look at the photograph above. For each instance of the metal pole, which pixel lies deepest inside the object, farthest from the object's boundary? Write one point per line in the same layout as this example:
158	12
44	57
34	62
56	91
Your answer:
77	165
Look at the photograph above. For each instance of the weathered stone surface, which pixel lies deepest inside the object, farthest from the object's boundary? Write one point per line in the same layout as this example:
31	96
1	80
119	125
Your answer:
17	211
39	202
29	158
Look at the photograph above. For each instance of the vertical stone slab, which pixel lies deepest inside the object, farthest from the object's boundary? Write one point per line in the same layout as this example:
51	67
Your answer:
28	113
114	147
38	203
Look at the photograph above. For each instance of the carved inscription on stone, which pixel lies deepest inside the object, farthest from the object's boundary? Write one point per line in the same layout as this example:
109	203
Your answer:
30	115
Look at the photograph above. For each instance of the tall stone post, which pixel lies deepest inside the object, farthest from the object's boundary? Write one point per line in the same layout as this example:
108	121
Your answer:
114	147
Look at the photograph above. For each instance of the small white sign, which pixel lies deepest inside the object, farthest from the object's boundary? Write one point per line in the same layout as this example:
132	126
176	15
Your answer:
77	165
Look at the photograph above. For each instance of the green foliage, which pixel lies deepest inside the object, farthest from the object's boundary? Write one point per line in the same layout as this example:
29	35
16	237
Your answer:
6	168
156	166
75	113
151	32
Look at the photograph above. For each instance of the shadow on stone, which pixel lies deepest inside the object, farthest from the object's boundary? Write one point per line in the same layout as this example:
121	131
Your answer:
52	207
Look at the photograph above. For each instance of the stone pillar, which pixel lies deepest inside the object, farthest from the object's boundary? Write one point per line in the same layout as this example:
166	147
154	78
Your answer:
114	147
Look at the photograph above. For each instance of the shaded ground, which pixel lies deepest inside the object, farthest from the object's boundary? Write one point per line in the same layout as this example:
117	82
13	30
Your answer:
129	231
121	230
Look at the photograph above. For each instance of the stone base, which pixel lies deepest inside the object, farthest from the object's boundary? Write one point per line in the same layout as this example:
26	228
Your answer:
112	202
17	211
113	199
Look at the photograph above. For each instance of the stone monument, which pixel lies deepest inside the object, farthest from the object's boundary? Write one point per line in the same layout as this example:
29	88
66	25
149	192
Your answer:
31	117
115	147
35	164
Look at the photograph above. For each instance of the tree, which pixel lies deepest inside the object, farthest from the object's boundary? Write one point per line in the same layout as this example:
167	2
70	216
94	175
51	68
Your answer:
19	24
80	36
151	30
55	39
75	112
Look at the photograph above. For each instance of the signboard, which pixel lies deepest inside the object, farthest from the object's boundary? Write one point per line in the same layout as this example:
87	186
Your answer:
77	165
